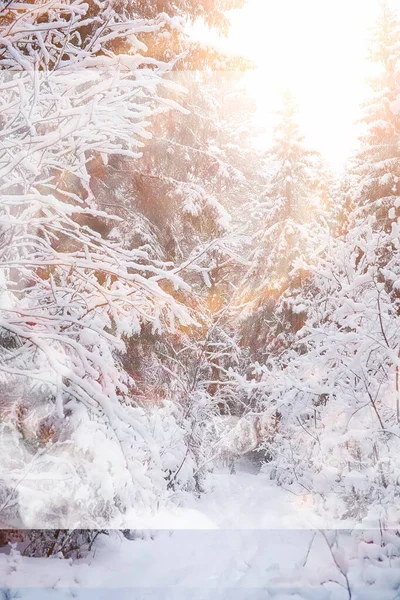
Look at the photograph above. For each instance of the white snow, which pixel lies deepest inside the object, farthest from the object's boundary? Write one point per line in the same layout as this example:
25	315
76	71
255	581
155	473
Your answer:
246	539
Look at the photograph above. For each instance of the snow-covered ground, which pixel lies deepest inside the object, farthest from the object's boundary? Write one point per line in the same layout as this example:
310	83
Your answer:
245	540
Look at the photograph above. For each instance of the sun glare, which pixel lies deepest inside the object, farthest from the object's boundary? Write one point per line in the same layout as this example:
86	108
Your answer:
319	50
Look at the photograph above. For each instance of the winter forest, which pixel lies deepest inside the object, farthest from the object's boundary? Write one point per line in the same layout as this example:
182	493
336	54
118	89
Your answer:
199	309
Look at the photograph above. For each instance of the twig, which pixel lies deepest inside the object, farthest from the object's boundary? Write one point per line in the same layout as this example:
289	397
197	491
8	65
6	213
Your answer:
322	532
309	549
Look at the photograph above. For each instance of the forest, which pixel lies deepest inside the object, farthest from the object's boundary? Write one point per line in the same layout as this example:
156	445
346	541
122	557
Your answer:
199	332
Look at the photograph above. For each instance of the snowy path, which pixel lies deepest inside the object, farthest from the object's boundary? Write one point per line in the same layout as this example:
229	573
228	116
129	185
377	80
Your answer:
242	541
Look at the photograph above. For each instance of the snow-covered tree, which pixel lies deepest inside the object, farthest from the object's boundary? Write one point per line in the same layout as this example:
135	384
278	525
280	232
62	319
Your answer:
75	84
377	163
182	202
335	394
293	225
338	400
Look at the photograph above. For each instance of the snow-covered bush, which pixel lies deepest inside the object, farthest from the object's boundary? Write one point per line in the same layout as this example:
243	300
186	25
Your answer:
338	398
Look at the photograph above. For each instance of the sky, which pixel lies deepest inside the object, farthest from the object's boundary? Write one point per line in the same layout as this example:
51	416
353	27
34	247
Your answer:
316	48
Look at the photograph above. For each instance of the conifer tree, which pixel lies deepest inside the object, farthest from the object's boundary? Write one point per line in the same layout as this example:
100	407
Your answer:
293	222
377	163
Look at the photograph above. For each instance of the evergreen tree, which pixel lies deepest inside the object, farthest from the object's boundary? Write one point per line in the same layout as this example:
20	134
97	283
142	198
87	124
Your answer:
293	216
377	163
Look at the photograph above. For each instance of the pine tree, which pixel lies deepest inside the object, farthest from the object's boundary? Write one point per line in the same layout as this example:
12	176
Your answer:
377	163
292	209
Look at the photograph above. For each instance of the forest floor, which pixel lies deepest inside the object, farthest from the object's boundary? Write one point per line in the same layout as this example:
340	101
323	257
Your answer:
244	540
